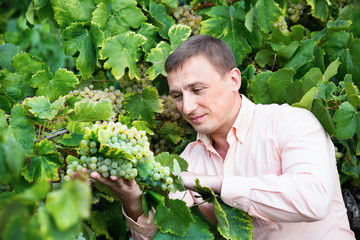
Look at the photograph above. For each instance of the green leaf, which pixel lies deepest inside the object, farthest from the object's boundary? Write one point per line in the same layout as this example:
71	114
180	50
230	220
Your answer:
264	57
209	196
16	84
108	221
307	100
197	230
232	30
36	192
178	34
114	152
159	12
149	31
320	9
259	89
239	222
340	45
72	139
303	54
347	121
267	12
326	90
118	17
45	164
167	159
70	204
282	88
21	127
331	70
172	132
176	219
352	93
7	52
323	115
89	111
83	42
157	57
42	108
143	126
12	155
121	52
144	107
312	78
67	12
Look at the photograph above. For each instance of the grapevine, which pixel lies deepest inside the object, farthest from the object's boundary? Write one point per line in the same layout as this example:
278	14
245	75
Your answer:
186	16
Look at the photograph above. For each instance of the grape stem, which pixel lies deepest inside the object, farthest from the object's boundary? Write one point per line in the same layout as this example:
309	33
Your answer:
56	134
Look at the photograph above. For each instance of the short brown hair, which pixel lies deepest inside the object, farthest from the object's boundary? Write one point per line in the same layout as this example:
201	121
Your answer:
218	53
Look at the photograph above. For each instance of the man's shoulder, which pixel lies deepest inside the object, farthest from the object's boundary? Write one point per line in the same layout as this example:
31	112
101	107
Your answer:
192	148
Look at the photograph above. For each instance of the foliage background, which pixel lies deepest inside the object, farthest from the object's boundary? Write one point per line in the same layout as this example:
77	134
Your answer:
310	60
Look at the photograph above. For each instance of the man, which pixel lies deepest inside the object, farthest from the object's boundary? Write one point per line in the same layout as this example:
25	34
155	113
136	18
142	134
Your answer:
275	162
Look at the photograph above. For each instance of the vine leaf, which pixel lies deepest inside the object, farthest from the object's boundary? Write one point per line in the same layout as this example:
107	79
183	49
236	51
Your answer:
121	52
89	111
266	12
66	12
232	222
320	8
352	91
232	30
45	164
322	113
53	86
145	107
197	230
42	108
12	154
79	39
70	204
21	127
347	121
157	56
158	11
149	31
119	18
176	219
259	89
7	52
16	84
102	222
172	132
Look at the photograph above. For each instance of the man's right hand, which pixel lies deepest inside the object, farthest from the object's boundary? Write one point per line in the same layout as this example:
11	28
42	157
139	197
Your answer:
128	191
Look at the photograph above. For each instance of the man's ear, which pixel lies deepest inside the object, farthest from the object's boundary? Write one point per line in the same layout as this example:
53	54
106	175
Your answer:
235	77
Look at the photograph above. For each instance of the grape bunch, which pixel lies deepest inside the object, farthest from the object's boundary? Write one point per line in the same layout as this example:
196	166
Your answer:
80	236
338	154
281	24
186	16
170	111
115	96
296	10
114	149
133	85
5	188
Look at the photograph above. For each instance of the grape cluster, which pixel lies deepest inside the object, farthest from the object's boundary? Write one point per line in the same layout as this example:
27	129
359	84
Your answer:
186	16
281	24
338	154
296	10
170	111
114	95
5	188
136	148
133	85
80	236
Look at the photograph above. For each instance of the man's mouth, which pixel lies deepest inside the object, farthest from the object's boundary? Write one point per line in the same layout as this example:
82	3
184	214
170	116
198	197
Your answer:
197	119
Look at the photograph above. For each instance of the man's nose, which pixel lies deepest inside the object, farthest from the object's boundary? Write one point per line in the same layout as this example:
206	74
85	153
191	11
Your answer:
189	104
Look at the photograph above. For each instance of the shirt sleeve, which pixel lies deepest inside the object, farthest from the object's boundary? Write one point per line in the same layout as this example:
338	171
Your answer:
305	188
144	228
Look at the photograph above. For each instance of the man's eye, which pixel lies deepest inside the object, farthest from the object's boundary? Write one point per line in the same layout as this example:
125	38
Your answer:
176	96
197	90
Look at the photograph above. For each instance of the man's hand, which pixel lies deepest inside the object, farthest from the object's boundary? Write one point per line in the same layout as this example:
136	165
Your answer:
214	182
128	192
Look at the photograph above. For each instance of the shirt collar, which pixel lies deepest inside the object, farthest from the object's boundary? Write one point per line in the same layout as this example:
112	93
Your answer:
240	127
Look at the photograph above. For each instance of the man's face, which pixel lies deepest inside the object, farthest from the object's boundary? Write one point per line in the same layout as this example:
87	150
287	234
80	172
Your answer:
204	98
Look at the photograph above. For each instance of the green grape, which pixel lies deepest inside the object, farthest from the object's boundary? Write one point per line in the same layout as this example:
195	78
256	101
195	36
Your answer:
186	16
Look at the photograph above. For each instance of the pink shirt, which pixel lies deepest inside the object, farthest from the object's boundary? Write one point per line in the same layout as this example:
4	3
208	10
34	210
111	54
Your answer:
281	169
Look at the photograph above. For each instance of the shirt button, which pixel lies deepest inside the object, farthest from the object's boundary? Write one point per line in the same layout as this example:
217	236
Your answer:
234	204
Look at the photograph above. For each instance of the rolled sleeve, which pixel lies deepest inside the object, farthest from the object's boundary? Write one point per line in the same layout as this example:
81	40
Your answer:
144	228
